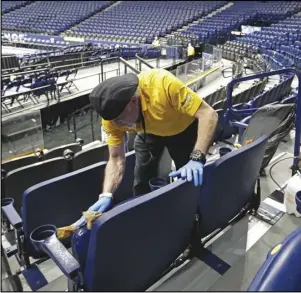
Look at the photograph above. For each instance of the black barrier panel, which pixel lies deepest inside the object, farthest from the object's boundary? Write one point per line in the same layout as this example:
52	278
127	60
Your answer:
62	110
9	61
63	60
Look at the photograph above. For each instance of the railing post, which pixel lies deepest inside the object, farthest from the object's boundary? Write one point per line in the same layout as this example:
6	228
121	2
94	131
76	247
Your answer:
92	124
81	59
101	67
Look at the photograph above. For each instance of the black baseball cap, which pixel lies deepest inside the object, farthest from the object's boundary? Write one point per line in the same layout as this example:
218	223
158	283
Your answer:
110	97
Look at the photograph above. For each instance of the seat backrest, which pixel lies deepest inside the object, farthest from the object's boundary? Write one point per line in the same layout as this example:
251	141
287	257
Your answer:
225	193
19	162
282	269
133	244
58	151
60	201
18	180
266	120
90	156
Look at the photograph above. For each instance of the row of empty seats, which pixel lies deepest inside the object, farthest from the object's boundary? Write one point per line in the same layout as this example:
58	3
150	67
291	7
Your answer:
143	21
234	50
234	193
8	6
51	17
279	41
222	23
106	267
41	155
110	24
20	174
49	83
70	192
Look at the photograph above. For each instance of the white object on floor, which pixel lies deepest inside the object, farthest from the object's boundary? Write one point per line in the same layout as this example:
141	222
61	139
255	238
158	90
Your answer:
293	186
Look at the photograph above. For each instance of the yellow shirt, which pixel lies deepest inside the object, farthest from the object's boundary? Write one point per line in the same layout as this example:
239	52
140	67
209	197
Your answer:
156	43
190	51
168	106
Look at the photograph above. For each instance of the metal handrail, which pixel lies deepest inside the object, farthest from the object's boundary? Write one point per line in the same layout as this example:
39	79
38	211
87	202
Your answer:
126	64
251	111
143	61
51	68
46	86
101	73
80	56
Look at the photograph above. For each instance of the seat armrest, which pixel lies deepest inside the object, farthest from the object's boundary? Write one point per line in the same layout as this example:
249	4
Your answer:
44	239
12	216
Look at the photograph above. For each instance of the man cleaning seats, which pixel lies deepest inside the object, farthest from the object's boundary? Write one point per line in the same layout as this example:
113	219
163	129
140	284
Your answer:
164	113
156	42
190	52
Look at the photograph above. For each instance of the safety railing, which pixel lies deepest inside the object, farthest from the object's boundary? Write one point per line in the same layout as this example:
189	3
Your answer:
127	65
167	52
102	75
139	61
72	117
47	67
234	111
97	61
189	71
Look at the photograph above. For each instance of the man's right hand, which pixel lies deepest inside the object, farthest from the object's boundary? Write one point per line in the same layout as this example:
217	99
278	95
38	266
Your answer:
102	205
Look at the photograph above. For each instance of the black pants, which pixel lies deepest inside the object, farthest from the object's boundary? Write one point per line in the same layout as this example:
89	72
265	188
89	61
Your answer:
149	149
189	58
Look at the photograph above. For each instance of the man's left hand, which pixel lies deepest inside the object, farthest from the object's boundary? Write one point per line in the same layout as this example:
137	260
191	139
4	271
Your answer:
193	170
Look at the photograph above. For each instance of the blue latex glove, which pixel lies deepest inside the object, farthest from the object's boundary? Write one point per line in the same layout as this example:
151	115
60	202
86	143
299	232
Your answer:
101	206
191	171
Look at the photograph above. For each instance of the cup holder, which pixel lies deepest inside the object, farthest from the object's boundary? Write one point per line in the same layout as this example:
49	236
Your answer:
6	201
156	183
39	235
224	150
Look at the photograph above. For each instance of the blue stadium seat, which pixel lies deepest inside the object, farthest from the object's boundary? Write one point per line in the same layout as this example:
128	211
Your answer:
55	194
133	253
282	269
51	17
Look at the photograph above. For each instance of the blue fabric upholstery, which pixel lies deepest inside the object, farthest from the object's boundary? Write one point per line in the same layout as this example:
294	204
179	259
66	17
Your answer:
225	193
60	201
8	6
142	21
52	17
132	244
282	269
239	13
18	180
91	156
